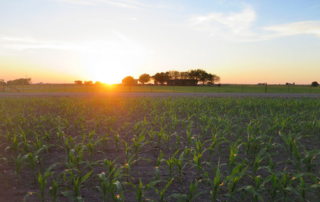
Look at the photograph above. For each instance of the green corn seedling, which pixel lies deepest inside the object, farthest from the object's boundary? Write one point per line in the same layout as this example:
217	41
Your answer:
33	159
191	196
42	179
77	183
163	191
233	179
171	162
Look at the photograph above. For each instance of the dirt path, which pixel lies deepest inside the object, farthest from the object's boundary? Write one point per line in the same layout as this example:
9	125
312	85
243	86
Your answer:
272	95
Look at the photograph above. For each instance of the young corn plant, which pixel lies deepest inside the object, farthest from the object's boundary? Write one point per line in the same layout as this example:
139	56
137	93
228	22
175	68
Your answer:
33	159
309	160
54	190
90	165
289	142
215	184
171	162
77	182
179	163
191	196
152	135
19	161
140	190
285	183
178	140
15	145
233	179
137	144
108	184
117	140
158	163
298	161
60	135
273	189
163	191
104	138
48	135
302	188
200	145
110	165
105	186
160	134
91	147
253	190
256	166
167	137
42	179
197	162
189	136
75	159
234	150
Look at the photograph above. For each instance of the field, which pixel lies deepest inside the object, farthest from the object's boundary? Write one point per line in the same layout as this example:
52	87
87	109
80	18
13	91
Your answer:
159	149
70	88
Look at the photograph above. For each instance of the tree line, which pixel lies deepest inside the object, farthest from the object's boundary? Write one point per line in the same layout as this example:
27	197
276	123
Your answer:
199	75
22	81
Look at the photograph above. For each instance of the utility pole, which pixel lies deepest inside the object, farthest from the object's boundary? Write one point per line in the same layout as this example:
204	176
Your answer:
266	86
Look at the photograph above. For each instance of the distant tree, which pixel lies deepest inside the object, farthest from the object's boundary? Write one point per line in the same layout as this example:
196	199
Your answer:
97	83
314	84
88	83
204	76
184	75
215	78
129	80
197	74
144	78
174	74
78	82
22	81
2	81
212	78
161	77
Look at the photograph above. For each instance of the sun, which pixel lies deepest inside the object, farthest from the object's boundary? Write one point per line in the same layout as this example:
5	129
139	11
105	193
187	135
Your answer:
107	69
111	64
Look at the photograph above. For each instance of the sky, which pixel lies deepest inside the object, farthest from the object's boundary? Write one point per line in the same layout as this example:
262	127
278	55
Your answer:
243	42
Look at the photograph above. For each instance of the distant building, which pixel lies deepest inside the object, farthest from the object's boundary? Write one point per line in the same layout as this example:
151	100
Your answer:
262	83
182	82
290	84
135	82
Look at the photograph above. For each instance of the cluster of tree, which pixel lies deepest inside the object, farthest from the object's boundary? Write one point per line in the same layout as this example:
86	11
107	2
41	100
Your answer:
129	80
314	84
22	81
2	81
162	77
78	82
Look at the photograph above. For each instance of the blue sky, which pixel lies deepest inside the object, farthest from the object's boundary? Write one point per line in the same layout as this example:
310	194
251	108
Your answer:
241	41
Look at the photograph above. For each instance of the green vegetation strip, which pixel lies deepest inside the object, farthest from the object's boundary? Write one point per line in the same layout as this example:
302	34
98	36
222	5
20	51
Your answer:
46	88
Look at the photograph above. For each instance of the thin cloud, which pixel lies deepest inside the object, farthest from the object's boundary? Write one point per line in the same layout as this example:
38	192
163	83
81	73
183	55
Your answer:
119	45
239	26
296	28
234	26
